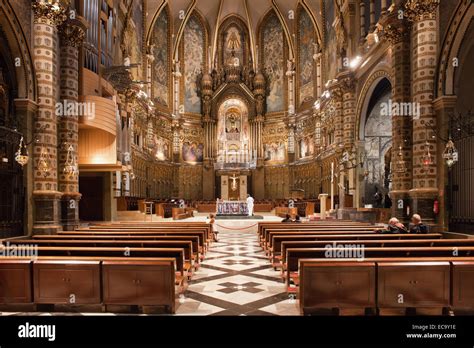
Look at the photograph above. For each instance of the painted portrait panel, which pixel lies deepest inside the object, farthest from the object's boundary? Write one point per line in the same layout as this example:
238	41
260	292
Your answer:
160	66
274	63
307	40
193	152
193	63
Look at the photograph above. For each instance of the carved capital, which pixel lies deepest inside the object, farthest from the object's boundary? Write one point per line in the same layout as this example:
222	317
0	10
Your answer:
72	33
394	34
53	14
416	10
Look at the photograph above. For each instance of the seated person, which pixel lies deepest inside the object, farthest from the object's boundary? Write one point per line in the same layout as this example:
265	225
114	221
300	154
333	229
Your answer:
394	226
416	226
297	218
287	218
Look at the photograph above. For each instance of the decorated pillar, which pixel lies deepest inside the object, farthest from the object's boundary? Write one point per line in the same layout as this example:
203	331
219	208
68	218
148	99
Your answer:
397	33
422	13
47	17
72	34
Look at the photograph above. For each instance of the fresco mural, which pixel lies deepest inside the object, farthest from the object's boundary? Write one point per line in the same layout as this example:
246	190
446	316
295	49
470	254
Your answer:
275	152
306	36
193	63
331	51
193	152
160	66
274	63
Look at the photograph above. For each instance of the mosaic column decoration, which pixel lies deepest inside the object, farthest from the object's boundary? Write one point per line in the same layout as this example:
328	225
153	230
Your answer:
336	112
397	33
349	111
72	34
47	17
422	14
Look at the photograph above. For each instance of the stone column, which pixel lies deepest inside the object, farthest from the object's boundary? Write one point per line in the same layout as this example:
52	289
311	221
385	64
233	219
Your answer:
397	33
349	110
422	13
336	96
72	34
45	54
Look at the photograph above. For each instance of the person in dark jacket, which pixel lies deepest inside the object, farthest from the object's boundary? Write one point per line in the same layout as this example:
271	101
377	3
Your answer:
394	226
287	218
417	226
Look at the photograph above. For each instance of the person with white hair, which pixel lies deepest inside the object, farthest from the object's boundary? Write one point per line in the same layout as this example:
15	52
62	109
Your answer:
394	226
416	226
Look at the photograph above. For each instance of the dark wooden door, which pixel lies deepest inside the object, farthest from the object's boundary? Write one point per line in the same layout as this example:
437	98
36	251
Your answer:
91	205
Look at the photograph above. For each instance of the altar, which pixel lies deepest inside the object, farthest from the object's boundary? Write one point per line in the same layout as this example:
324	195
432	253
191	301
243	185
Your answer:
232	208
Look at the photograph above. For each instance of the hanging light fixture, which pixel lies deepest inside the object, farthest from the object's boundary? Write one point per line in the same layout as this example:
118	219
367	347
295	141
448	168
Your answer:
21	155
400	164
450	153
44	164
427	158
70	166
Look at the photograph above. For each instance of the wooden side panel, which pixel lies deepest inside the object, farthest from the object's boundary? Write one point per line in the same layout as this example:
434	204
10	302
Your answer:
463	285
67	282
413	284
342	285
15	282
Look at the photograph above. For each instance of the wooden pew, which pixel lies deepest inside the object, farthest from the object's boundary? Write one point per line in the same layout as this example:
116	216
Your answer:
268	239
136	239
322	223
147	282
429	284
277	240
264	238
374	243
201	234
294	255
182	267
189	254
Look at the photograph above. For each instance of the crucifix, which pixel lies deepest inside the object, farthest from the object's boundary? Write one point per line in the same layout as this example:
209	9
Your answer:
233	186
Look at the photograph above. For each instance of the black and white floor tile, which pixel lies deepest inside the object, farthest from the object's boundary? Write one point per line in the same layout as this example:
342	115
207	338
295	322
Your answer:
236	278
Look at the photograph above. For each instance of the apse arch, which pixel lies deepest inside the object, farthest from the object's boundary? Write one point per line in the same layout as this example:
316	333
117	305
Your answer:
18	45
375	132
227	23
364	97
451	47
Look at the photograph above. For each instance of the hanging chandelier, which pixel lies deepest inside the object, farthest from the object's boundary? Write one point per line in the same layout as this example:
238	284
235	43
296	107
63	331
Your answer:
21	155
450	153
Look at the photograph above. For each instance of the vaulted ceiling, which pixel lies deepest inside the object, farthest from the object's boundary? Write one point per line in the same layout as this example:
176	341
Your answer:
250	11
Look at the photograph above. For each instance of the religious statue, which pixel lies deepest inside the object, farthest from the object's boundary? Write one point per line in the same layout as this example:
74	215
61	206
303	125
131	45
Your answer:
341	34
250	201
